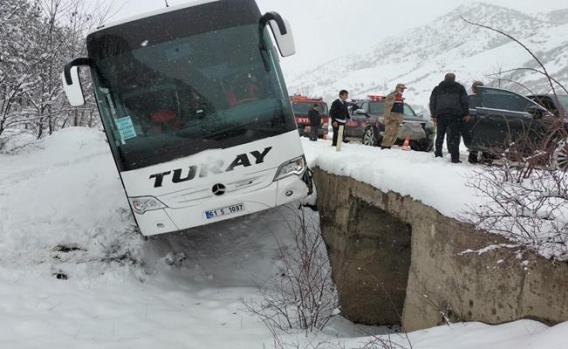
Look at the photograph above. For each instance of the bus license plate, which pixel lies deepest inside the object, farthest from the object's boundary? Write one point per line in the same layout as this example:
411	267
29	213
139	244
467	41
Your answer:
224	211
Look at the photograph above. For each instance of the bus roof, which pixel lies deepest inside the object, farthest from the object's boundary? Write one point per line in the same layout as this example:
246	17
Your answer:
151	13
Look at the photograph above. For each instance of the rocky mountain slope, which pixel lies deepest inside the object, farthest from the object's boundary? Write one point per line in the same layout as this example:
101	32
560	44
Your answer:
420	57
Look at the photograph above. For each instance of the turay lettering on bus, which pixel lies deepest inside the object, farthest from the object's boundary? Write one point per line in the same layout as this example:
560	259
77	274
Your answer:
181	175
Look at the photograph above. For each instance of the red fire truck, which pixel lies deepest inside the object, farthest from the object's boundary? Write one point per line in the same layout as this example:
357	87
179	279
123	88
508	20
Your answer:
301	105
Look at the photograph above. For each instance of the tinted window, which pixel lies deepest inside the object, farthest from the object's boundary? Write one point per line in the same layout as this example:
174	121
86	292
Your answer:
474	101
304	108
504	100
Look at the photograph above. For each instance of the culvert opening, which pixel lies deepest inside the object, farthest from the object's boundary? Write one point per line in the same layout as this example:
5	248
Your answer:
370	264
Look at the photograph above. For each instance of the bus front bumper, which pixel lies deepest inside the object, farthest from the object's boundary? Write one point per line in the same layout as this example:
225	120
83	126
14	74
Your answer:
221	208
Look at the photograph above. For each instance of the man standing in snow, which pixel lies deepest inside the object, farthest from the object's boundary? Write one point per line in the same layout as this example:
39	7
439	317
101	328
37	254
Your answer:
449	108
339	115
315	121
474	102
394	108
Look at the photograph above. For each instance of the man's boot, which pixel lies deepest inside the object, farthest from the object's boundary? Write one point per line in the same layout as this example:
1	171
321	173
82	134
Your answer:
472	158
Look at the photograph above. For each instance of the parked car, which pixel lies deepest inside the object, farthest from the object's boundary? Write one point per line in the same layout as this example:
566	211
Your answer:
505	121
301	105
367	123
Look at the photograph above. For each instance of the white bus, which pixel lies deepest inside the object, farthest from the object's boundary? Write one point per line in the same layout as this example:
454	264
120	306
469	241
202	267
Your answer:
196	112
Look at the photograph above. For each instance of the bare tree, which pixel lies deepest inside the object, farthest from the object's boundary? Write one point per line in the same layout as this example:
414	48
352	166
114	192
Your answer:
527	198
36	39
537	60
301	295
18	21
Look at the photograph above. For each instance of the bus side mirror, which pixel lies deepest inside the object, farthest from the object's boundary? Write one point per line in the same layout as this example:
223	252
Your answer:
282	33
285	41
72	83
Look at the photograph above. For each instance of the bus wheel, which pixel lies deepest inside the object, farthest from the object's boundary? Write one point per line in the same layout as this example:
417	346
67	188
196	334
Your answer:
560	156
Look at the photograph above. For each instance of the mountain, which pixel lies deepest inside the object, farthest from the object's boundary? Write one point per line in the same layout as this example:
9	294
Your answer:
420	57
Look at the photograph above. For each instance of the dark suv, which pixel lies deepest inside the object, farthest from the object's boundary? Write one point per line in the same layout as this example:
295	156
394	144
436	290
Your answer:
367	123
507	121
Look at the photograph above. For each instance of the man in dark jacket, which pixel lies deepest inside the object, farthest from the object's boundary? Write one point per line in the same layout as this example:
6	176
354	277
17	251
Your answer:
315	121
339	115
474	102
449	108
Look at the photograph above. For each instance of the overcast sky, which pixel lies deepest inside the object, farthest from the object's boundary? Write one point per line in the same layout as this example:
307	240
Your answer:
325	29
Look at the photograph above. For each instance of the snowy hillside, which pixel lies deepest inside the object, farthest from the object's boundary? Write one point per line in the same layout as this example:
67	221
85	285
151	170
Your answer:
420	57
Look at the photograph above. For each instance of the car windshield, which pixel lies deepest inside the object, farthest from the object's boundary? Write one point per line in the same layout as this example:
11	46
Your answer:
376	108
408	111
563	100
302	108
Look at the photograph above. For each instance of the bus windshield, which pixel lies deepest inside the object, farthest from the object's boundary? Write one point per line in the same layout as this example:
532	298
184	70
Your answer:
173	98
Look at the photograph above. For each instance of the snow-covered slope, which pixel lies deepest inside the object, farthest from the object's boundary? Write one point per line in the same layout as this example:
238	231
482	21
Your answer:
75	274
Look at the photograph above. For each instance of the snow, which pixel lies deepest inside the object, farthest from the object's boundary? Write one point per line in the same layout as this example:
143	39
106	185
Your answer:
74	273
434	181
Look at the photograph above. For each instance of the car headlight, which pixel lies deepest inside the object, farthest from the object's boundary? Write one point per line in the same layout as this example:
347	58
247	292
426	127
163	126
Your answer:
145	203
292	167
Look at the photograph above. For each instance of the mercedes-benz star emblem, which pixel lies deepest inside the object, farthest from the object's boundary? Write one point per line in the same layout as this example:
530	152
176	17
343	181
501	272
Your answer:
219	189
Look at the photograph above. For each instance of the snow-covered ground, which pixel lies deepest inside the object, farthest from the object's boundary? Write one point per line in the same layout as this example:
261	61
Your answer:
75	274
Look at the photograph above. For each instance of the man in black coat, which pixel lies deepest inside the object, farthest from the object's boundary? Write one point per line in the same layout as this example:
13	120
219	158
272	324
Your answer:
315	121
339	115
449	108
474	102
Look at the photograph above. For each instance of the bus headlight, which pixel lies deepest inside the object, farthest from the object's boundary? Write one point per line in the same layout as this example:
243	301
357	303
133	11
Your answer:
293	167
145	203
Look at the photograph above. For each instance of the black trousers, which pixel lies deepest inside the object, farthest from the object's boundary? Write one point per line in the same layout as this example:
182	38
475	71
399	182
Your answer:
450	126
336	134
466	130
314	132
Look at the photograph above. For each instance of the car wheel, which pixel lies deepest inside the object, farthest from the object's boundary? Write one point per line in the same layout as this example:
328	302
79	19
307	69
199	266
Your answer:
560	156
370	137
